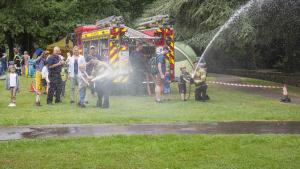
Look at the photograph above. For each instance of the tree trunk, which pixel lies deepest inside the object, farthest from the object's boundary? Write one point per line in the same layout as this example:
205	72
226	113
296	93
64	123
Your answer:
10	42
26	43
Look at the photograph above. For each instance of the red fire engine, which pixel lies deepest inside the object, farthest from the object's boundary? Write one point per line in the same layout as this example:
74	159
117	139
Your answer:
113	40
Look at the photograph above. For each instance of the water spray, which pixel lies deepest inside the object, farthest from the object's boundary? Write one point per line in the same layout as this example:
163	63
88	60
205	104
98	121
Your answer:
243	9
109	73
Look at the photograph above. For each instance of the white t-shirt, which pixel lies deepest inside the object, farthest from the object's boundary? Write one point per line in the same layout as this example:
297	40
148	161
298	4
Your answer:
81	61
45	73
12	80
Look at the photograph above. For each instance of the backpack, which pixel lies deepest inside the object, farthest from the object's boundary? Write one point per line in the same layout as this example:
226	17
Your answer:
153	65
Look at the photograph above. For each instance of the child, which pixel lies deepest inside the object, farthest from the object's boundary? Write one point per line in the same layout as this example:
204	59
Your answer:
182	83
25	68
285	97
31	70
45	79
167	87
12	83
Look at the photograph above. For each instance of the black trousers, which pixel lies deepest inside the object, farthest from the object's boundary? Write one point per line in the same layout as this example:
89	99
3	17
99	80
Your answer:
103	92
200	92
19	71
136	83
54	89
63	88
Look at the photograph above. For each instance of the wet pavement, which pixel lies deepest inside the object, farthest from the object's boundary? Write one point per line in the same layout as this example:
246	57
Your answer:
73	130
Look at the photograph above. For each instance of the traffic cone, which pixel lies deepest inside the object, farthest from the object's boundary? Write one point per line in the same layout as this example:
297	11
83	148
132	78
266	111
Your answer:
32	89
285	96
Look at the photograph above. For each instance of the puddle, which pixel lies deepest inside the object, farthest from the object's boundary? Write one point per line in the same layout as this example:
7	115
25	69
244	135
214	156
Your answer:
235	127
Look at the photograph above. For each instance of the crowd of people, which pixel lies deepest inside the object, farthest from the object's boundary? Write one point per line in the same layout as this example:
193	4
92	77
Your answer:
51	71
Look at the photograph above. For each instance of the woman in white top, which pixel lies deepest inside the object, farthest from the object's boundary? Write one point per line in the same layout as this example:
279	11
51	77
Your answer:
73	72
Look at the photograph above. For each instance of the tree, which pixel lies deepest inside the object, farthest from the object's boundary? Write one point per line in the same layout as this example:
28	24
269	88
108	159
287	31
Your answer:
30	23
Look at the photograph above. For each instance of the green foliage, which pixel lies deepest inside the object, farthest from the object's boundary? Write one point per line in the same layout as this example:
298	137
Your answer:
45	21
265	37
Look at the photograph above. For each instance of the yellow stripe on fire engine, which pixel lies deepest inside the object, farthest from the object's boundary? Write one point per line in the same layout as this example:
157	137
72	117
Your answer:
168	54
172	53
112	51
114	57
171	44
123	48
172	60
172	36
95	33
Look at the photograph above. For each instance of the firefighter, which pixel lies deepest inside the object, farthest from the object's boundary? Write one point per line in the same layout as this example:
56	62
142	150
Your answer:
102	77
200	82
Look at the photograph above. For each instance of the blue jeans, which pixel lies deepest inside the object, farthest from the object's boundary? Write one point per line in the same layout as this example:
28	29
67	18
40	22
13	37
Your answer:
82	93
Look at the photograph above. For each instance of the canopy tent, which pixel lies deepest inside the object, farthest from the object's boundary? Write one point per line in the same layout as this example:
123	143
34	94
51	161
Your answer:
184	56
62	45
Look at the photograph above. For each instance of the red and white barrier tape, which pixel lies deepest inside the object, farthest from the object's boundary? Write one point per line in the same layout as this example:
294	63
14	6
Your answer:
244	85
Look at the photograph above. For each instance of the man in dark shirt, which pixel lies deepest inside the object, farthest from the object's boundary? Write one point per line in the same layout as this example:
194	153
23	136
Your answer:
90	66
138	70
88	58
54	67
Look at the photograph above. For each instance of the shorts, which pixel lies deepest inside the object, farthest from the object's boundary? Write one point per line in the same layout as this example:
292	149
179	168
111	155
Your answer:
38	81
182	88
167	90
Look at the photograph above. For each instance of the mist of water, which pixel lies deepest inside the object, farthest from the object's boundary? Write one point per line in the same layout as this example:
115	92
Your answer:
231	20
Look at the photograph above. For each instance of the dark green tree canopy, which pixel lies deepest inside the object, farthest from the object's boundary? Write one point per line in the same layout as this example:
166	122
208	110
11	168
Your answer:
29	23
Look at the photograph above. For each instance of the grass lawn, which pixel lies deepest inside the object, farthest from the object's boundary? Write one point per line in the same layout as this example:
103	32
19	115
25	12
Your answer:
151	152
225	105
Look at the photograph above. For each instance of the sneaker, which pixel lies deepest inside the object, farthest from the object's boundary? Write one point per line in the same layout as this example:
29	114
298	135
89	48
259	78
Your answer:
14	104
38	104
158	101
72	102
82	106
10	105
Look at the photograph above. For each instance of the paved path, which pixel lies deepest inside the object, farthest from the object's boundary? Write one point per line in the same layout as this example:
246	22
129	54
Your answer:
275	94
235	127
